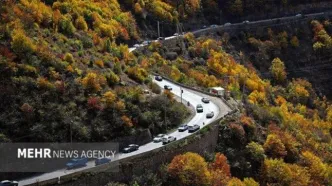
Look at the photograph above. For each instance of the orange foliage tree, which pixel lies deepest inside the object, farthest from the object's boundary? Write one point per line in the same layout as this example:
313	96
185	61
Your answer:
189	169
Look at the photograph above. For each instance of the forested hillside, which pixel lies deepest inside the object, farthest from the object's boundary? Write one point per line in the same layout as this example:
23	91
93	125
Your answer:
283	134
63	74
66	73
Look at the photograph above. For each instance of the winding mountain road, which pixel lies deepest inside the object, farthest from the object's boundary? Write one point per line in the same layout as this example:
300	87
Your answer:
216	105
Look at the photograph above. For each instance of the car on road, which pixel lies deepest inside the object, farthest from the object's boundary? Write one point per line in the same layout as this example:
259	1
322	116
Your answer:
160	38
176	34
210	114
167	87
193	128
158	78
8	183
298	15
183	128
227	24
137	45
245	22
213	26
146	91
76	162
101	161
147	42
130	148
204	26
158	138
199	108
168	139
205	100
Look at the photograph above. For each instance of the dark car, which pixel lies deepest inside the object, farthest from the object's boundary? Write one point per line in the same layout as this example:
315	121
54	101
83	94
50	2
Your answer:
183	127
167	87
8	183
210	114
130	148
100	161
193	128
160	38
76	162
205	100
199	108
204	26
158	78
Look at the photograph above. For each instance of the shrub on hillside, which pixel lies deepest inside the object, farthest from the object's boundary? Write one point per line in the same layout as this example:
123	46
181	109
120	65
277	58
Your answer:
137	73
69	58
81	24
155	88
21	44
66	26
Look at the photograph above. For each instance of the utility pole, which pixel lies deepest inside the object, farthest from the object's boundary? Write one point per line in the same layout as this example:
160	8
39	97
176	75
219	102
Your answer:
181	93
71	132
165	123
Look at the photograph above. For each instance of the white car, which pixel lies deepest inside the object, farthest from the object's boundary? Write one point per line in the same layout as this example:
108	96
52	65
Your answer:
137	45
245	22
8	183
146	91
168	139
227	24
158	138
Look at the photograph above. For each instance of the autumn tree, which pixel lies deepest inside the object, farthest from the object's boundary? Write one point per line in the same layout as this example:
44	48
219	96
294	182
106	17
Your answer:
275	171
93	82
109	98
274	147
250	182
21	44
189	169
256	151
220	170
317	169
235	182
81	24
277	70
236	7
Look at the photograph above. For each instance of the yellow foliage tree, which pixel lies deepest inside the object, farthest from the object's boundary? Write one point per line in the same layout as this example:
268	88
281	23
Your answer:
109	98
277	70
189	169
93	82
22	44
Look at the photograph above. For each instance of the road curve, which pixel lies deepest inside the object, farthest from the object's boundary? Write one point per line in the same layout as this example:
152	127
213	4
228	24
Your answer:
216	105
